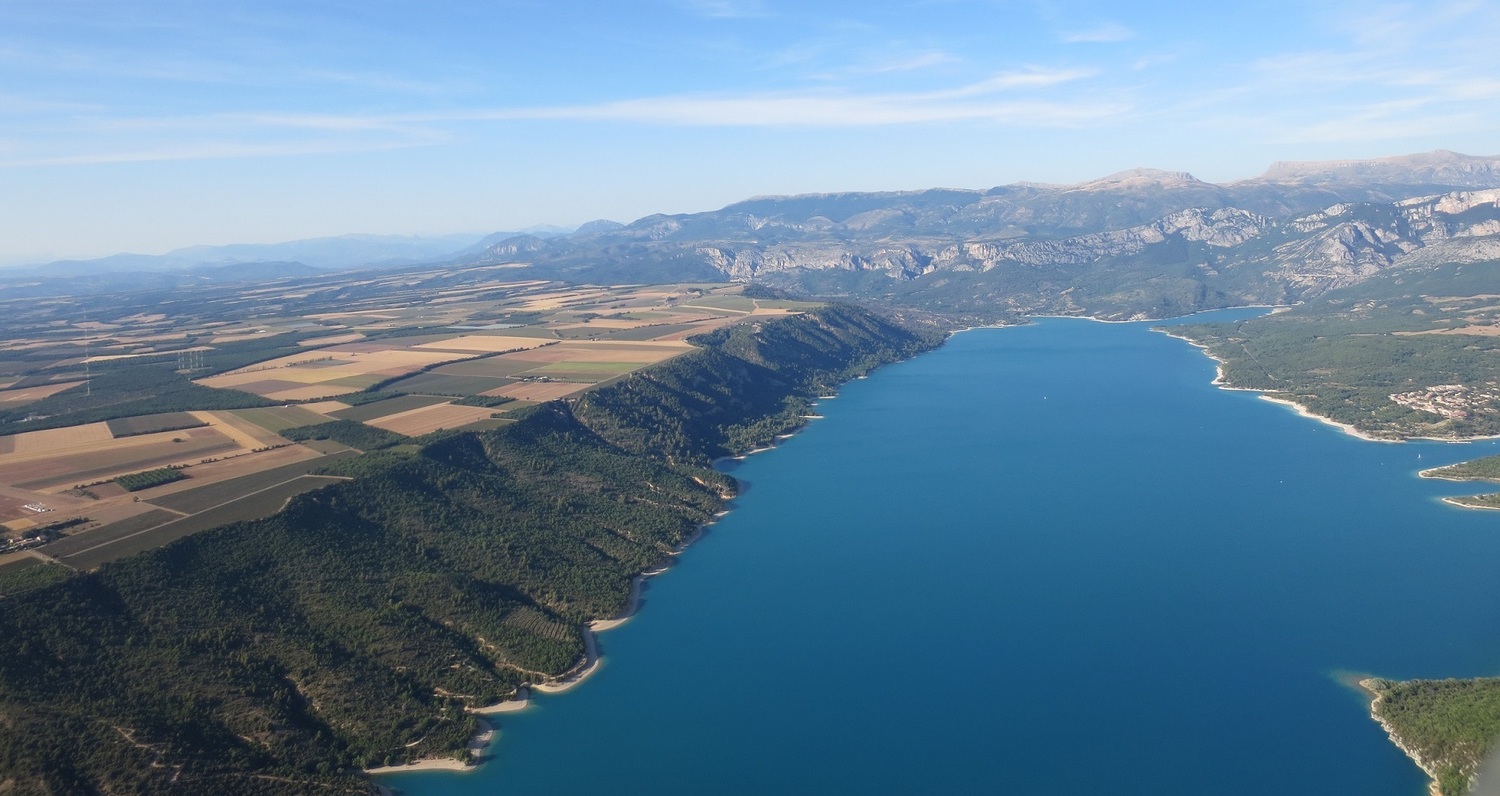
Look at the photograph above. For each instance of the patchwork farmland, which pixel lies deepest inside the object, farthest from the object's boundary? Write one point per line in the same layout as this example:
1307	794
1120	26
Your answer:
385	349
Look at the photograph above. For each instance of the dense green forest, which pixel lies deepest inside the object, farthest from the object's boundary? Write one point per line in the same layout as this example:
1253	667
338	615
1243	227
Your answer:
1449	724
354	628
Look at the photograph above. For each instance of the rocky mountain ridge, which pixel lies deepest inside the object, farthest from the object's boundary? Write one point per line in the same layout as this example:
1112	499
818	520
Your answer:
1296	231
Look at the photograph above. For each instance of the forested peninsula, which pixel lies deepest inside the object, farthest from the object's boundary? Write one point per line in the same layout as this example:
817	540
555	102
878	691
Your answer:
359	626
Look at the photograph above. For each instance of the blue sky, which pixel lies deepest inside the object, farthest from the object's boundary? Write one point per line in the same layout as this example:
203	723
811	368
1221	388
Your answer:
144	126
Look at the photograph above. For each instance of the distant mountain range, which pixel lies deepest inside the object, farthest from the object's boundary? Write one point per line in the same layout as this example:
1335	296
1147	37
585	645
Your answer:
245	262
1141	243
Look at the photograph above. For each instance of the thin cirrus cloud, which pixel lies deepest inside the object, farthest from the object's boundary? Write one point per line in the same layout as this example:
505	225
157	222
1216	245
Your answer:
975	101
1005	99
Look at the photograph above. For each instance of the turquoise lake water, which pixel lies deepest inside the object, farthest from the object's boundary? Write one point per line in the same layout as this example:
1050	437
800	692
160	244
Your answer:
1049	559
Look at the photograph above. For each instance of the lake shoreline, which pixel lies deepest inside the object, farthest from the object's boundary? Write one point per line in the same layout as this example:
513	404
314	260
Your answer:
593	658
1376	699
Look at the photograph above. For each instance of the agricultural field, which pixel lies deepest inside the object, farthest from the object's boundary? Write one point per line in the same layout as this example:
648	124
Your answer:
202	498
390	406
428	419
11	398
203	381
250	507
279	418
328	372
89	456
153	424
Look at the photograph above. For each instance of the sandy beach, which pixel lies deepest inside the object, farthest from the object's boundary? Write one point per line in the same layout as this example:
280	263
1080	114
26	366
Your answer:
439	764
481	741
1454	502
520	703
632	604
1345	427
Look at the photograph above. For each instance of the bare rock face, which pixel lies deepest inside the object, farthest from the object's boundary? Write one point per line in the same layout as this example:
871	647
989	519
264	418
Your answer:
1339	256
1461	214
1222	228
1345	243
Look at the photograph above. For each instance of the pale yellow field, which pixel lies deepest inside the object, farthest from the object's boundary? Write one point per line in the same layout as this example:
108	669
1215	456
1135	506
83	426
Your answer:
325	367
1479	331
608	323
385	316
248	435
632	351
324	407
485	344
539	390
73	439
699	329
235	338
87	457
553	301
334	340
311	393
29	394
431	418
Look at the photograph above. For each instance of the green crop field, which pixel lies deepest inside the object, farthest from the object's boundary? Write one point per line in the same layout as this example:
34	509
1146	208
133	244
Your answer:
491	367
152	424
71	545
251	507
443	384
732	303
596	368
649	332
275	419
787	304
358	382
389	406
203	498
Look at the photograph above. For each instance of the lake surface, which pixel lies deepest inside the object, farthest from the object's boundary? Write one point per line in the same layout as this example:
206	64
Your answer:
1049	559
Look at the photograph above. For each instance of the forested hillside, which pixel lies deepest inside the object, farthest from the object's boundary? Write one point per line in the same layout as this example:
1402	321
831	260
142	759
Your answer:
354	628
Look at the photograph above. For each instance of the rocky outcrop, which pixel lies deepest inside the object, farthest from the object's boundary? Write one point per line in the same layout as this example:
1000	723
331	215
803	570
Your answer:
1347	243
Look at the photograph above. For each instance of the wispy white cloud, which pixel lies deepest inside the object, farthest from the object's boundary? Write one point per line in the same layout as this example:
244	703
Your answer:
1008	99
981	100
1151	61
828	111
1102	34
909	63
1392	72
